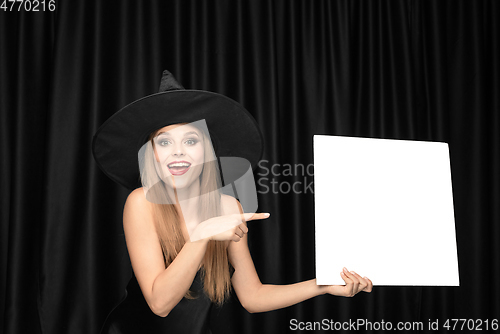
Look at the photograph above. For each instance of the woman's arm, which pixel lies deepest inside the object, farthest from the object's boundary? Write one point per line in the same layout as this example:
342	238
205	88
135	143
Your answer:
162	288
257	297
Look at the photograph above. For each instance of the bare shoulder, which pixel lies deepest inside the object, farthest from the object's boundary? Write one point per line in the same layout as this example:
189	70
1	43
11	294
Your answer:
227	200
138	209
142	242
137	198
230	205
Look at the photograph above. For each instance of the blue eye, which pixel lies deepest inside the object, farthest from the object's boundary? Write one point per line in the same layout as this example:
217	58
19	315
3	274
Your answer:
191	142
164	142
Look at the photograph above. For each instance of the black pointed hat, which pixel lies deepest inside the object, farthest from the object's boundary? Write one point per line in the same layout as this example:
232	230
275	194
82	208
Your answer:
233	131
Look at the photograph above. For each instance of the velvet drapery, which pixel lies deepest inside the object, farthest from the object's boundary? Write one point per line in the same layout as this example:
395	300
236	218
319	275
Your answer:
422	70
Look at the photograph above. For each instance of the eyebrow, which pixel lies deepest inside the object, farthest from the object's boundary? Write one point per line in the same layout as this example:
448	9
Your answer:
186	134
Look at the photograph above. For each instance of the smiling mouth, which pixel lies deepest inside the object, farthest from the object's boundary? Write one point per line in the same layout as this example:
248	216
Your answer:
178	167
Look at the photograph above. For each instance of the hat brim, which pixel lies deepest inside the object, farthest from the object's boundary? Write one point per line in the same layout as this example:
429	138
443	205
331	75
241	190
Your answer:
233	131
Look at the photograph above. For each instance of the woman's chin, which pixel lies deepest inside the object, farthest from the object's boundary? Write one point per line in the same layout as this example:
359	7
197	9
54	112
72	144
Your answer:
182	182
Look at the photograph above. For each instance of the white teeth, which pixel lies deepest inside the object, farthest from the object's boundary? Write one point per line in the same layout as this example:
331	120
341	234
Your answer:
179	164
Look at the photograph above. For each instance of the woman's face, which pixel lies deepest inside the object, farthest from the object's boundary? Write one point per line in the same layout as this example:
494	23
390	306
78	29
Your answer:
180	154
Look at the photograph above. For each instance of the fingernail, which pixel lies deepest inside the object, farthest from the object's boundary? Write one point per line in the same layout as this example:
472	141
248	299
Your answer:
267	214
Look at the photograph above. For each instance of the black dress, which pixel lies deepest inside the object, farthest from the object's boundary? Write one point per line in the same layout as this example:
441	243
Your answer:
133	315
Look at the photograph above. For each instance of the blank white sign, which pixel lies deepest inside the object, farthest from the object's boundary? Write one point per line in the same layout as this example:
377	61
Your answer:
384	209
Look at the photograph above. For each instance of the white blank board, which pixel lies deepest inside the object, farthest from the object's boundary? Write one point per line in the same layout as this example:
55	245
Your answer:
384	209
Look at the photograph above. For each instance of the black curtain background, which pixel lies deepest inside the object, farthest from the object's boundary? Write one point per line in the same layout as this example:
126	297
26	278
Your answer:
423	70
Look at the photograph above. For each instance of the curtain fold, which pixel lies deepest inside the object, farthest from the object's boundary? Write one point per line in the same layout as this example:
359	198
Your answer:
419	70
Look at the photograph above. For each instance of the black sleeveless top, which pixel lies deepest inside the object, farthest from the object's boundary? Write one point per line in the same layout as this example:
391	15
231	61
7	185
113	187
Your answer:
133	315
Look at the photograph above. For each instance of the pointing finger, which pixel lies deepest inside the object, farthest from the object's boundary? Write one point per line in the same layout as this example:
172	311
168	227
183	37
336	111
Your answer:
255	216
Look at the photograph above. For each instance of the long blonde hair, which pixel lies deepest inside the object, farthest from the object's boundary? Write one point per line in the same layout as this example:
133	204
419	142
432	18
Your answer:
215	268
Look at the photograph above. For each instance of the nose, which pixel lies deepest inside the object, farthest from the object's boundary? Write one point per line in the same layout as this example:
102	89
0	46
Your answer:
178	150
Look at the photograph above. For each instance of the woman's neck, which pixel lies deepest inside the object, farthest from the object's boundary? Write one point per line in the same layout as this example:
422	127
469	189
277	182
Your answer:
187	203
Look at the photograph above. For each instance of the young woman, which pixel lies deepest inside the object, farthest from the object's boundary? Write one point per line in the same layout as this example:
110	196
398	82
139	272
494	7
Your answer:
186	239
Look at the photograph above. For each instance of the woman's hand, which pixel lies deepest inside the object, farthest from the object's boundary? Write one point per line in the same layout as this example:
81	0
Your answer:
353	284
225	228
